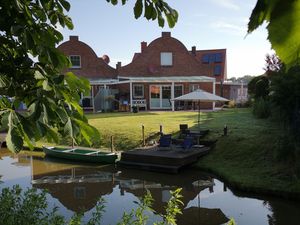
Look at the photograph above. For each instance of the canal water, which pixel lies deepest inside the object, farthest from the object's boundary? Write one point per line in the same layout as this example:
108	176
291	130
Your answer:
77	187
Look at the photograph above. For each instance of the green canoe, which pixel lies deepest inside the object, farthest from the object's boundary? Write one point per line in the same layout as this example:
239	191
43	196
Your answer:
77	154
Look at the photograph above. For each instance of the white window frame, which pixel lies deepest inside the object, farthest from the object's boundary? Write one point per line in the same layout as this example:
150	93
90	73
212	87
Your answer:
182	91
76	66
194	87
166	59
134	94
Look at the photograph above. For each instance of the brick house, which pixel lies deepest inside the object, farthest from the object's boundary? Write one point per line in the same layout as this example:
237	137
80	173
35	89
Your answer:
162	70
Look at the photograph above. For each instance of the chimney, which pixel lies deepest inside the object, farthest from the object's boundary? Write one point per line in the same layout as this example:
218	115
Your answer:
166	34
118	66
194	50
143	46
74	38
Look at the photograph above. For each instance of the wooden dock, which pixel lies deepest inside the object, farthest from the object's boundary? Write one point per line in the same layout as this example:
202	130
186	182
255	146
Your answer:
167	160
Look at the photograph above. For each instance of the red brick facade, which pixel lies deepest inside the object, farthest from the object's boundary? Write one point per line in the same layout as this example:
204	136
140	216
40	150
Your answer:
91	65
161	63
147	63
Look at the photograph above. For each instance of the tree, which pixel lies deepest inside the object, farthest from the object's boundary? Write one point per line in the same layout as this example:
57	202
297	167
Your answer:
282	17
153	9
258	87
28	29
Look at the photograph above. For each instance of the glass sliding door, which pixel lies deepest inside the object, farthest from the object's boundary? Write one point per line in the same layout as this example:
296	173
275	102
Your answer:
154	96
166	96
160	96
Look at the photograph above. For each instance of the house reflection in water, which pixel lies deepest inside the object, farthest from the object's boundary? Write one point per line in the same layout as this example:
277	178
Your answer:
79	188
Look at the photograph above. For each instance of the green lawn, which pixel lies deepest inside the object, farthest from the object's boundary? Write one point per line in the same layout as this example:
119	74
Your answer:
246	157
127	127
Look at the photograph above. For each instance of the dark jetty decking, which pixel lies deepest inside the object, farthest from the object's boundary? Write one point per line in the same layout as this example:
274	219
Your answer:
167	160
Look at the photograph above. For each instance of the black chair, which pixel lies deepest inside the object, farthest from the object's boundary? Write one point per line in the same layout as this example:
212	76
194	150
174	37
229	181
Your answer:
184	131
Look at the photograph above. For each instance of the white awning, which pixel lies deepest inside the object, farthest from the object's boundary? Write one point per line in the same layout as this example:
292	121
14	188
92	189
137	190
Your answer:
103	81
175	79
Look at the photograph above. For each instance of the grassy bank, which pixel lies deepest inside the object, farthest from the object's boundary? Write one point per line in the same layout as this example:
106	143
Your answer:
246	157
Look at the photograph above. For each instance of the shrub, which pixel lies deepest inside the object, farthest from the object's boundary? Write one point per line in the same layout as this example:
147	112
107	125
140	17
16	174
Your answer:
261	108
30	207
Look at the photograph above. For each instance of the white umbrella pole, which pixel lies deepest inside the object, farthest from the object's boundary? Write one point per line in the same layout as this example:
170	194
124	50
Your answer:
199	114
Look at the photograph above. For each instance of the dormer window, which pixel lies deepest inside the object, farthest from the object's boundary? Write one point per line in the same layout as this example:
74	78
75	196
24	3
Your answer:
166	59
75	61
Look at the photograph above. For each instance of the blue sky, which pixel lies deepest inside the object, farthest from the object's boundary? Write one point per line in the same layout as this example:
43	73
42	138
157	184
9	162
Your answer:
114	31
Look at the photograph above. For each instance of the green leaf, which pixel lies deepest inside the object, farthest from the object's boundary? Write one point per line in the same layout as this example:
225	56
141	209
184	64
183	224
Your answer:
14	140
69	23
148	10
62	114
68	128
138	9
38	75
161	21
170	20
86	131
65	4
114	2
46	86
283	27
284	32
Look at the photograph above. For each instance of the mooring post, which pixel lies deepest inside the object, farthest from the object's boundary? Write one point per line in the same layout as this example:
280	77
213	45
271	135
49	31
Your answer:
225	130
143	135
112	143
161	129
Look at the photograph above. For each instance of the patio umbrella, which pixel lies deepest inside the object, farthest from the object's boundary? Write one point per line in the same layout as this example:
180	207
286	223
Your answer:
200	96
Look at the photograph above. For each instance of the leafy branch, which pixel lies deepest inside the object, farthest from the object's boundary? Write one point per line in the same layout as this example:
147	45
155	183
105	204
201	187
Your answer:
152	10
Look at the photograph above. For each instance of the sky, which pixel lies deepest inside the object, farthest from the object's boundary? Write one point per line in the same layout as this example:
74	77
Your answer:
213	24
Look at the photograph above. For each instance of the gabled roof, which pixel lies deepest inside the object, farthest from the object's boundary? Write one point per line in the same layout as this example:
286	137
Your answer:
91	65
147	63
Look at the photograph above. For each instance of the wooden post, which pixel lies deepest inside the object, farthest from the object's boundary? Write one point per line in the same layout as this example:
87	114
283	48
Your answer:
143	135
112	143
161	129
72	143
225	130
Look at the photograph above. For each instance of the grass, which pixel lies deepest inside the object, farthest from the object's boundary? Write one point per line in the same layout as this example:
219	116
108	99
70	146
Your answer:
127	127
246	156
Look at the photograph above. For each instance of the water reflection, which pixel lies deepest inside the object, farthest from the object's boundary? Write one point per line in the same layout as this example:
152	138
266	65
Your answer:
77	187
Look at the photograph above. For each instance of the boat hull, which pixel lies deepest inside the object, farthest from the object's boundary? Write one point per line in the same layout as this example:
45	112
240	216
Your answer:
82	155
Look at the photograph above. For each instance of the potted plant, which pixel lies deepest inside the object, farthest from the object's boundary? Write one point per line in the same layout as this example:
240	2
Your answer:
135	108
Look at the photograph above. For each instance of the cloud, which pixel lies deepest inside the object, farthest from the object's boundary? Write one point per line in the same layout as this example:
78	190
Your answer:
229	4
229	28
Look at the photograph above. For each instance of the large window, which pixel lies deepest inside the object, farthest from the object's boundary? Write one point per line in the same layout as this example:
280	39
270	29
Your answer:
218	57
138	91
178	90
217	70
166	59
75	61
212	58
